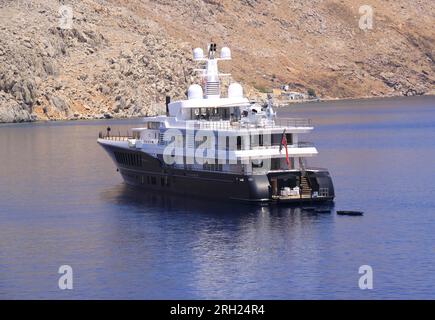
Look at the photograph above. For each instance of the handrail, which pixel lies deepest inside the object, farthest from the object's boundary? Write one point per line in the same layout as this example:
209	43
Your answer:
294	145
277	123
305	144
118	137
293	122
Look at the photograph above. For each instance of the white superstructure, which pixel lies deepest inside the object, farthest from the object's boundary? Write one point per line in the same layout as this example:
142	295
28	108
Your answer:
217	143
245	133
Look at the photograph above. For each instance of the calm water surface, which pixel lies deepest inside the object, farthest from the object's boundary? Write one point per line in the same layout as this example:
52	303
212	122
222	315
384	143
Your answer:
62	202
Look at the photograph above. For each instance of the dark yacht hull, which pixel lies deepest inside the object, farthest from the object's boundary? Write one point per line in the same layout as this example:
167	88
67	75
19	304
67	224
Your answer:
146	172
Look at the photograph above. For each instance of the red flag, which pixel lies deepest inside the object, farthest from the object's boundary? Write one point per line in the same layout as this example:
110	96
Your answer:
284	143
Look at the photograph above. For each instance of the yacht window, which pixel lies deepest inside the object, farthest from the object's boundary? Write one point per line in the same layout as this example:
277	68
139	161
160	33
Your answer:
225	114
236	113
153	125
239	143
257	164
276	139
275	164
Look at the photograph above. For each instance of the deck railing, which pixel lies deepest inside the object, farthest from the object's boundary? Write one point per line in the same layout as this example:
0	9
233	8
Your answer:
293	122
114	137
304	144
277	123
276	145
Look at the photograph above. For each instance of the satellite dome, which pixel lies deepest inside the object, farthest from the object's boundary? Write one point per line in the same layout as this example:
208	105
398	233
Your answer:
194	92
235	90
225	53
198	53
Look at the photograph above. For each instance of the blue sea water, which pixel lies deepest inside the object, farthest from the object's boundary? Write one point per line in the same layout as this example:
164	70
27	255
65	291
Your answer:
63	203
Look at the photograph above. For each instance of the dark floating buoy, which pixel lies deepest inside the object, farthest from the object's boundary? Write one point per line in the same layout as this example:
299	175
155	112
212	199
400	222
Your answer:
350	213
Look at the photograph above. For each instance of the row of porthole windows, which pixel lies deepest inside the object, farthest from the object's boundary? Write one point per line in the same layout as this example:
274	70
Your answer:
152	180
130	159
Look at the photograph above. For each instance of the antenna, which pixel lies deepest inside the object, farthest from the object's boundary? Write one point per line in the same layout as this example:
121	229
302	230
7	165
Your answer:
168	101
269	111
210	73
212	50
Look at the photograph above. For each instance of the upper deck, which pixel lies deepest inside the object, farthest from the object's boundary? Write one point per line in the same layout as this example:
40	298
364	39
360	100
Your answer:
207	109
278	125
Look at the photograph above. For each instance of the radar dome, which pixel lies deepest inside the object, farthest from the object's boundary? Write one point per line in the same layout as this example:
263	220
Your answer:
225	53
235	90
194	92
198	53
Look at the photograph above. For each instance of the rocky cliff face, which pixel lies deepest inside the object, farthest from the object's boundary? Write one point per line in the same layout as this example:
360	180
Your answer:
121	58
109	64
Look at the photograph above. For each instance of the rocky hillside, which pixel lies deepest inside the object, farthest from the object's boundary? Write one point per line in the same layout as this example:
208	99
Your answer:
111	63
120	58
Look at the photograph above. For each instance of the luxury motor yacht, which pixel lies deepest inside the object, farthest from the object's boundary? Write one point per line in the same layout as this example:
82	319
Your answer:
220	146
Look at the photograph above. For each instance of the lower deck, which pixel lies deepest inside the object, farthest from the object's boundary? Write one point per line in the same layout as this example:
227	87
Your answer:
280	186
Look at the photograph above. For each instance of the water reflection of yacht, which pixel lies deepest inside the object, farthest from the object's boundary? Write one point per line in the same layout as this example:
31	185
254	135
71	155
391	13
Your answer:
224	147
